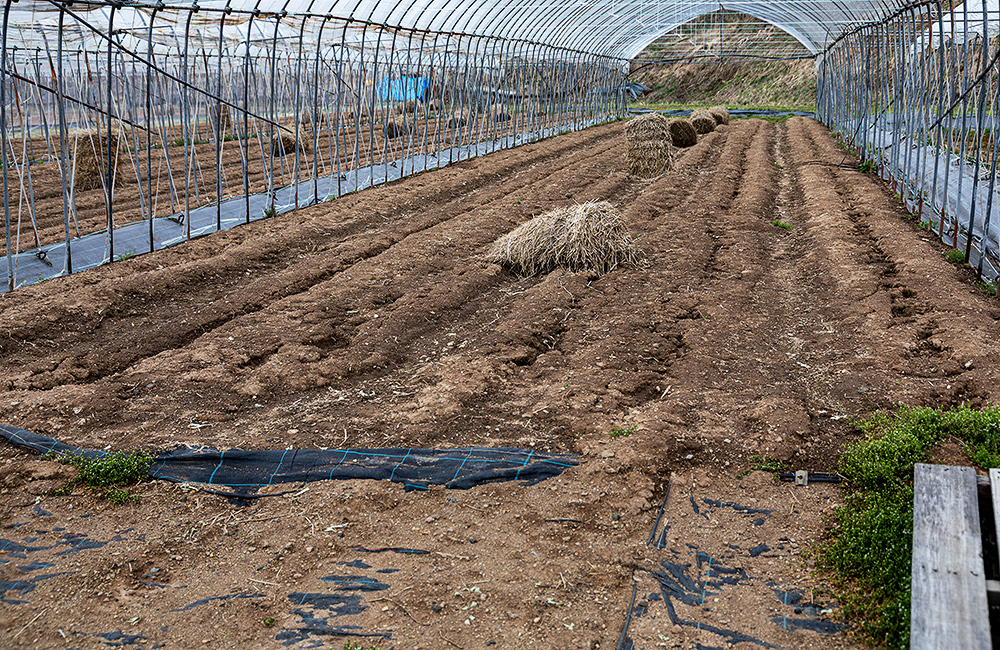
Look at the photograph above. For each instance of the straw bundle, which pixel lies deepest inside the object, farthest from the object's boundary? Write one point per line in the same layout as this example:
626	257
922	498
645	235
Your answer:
408	107
458	119
348	116
648	145
703	121
225	121
89	149
498	113
720	114
306	119
285	142
682	133
592	236
396	128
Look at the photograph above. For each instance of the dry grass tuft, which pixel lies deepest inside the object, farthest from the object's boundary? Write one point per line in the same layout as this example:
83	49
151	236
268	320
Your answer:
458	119
306	119
408	107
703	121
721	115
285	142
225	119
362	115
498	113
592	236
396	128
683	133
89	151
649	145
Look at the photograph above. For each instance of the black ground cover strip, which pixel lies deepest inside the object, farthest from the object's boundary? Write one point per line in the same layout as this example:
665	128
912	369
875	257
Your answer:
205	601
692	584
241	473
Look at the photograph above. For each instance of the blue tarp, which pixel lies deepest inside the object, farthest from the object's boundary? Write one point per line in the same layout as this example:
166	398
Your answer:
404	88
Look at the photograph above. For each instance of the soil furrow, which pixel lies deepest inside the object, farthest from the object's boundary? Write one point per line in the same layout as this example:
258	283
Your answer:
248	298
372	322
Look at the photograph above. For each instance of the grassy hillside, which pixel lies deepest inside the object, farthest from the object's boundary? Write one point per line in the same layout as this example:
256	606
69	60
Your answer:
732	83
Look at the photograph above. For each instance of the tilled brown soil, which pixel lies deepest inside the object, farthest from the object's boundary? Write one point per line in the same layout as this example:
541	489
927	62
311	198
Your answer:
36	192
372	321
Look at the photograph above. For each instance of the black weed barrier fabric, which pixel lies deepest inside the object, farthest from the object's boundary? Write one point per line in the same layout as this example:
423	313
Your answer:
241	473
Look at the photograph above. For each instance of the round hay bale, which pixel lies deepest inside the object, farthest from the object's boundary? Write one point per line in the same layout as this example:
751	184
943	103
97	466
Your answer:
649	145
721	115
703	121
88	149
592	236
683	132
285	142
396	128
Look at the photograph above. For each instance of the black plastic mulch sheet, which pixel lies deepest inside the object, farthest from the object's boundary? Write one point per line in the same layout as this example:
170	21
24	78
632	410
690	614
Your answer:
238	472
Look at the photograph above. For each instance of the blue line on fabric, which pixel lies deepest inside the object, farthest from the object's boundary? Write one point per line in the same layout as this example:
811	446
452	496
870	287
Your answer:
339	464
400	463
162	463
280	461
704	588
460	467
221	455
523	465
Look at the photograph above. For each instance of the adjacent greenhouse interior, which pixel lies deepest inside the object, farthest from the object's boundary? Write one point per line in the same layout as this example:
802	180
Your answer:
129	127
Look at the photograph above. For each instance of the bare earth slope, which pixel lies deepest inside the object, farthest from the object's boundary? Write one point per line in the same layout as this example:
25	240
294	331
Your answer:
371	321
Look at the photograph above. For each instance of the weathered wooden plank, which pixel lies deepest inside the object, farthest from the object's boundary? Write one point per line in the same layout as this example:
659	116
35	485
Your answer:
995	489
993	593
948	588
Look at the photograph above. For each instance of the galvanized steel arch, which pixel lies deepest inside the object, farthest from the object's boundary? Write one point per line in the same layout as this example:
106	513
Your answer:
613	28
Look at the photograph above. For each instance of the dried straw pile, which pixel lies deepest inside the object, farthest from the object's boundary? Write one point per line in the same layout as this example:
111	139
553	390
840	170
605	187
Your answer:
458	119
682	132
649	146
592	236
720	113
285	142
408	107
89	151
396	128
498	113
306	119
703	121
225	121
348	115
